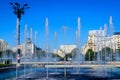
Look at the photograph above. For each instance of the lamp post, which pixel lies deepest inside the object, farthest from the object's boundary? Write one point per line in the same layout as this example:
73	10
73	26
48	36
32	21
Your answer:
18	10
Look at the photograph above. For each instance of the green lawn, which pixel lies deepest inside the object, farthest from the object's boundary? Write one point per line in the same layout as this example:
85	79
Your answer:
5	65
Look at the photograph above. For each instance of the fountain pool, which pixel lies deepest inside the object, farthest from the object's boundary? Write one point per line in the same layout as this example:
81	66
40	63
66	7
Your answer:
85	73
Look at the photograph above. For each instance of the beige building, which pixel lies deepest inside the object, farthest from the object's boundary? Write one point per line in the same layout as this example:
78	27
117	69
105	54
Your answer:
98	40
64	49
27	47
116	40
94	40
67	48
3	45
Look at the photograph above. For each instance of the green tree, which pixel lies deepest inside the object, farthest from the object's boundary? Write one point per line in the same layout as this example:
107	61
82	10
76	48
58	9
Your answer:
118	50
74	52
37	53
57	56
68	55
1	54
106	53
43	53
89	54
8	53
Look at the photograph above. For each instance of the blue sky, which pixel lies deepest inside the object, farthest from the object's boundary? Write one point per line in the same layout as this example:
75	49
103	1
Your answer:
93	14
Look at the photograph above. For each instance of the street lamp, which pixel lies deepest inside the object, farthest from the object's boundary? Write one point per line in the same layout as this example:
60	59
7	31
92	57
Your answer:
18	10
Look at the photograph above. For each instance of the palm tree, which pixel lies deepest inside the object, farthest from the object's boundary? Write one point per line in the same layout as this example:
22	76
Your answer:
18	10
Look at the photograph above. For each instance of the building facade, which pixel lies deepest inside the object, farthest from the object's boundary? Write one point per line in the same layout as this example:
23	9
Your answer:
3	45
64	49
26	48
67	48
97	40
94	40
116	40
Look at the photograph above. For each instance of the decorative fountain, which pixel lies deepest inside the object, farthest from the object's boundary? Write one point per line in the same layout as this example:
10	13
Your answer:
77	69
